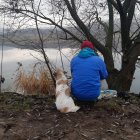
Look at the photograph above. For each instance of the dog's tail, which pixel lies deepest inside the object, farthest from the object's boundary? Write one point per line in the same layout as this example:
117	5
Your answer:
74	109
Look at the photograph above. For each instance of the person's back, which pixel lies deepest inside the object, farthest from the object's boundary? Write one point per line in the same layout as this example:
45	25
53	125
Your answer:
87	71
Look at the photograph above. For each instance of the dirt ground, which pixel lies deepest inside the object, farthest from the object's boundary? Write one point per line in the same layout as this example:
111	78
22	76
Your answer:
36	118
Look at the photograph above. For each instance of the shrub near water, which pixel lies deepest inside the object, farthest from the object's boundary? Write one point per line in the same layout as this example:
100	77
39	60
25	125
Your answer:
38	81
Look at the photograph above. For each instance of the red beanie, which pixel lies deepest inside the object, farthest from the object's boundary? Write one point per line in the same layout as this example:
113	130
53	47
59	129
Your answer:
87	44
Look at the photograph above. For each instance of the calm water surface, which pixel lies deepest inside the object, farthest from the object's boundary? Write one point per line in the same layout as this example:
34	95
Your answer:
27	57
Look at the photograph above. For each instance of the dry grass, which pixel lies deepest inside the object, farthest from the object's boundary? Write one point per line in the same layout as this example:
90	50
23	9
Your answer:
38	81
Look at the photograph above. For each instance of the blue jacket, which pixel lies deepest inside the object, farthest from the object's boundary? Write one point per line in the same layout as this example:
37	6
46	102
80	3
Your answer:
86	76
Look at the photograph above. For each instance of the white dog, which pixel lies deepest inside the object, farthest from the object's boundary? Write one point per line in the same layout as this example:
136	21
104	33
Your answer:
64	102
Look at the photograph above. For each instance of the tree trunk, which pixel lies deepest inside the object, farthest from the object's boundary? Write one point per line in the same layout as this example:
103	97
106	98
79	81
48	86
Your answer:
108	58
121	80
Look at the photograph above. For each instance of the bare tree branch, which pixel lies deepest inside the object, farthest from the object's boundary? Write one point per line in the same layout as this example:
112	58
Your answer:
83	27
109	39
114	4
73	5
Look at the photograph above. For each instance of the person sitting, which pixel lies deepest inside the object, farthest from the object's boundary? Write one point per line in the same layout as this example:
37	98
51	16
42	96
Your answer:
87	70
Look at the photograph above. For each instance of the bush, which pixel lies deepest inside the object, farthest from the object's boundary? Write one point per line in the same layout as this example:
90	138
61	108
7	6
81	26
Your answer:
38	81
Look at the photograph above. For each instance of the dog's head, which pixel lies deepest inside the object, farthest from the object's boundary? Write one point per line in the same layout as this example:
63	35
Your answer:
60	77
58	74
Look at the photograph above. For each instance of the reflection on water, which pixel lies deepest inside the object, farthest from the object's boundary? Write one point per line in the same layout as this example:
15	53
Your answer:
29	57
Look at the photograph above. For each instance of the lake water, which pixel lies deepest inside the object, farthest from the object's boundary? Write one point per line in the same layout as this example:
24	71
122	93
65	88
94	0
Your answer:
27	57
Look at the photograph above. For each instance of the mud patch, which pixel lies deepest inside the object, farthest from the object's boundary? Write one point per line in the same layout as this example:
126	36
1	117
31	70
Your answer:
36	118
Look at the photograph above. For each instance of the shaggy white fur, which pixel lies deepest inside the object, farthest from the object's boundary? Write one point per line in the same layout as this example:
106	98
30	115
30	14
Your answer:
64	102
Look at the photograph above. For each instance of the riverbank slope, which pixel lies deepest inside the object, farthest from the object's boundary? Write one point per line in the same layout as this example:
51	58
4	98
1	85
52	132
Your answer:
36	118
